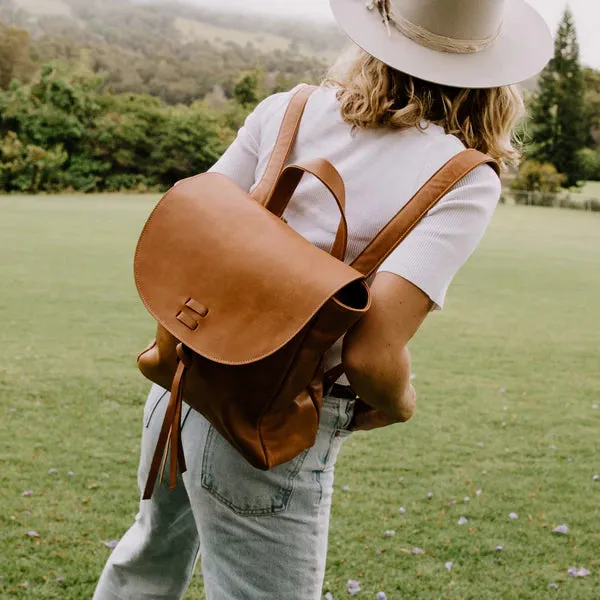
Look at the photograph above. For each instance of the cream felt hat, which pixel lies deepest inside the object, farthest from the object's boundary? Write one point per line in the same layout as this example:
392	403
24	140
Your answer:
459	43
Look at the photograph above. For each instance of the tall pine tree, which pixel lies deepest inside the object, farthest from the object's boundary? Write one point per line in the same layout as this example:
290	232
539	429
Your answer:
560	123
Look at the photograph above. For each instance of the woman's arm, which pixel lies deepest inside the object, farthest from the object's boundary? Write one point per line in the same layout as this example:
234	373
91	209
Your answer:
375	356
413	279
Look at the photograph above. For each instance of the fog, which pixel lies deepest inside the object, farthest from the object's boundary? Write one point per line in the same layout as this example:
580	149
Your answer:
587	14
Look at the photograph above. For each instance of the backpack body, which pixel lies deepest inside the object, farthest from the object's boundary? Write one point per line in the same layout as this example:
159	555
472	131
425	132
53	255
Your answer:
246	307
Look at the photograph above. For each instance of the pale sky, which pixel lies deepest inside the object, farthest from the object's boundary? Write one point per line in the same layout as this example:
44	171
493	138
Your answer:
587	14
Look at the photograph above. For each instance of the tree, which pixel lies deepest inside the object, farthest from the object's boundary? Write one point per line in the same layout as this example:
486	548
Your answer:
592	102
246	90
67	132
560	122
15	58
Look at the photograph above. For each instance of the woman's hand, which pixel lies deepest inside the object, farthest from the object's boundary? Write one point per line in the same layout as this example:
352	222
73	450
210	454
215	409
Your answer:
367	417
375	356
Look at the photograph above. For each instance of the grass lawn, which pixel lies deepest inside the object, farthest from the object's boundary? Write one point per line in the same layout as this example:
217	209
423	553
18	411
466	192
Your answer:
509	382
591	189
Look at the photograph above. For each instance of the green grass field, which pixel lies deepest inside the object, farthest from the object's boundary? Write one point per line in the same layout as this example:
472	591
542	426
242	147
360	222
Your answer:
591	189
509	383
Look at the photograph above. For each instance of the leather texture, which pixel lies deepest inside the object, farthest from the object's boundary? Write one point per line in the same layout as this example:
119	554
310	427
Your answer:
246	307
284	144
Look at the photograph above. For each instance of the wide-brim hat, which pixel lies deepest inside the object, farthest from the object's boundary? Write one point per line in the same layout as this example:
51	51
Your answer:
459	43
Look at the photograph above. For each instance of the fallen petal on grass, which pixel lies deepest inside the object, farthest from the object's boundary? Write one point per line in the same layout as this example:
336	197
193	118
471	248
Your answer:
402	510
596	478
478	492
554	586
561	529
27	493
52	471
513	516
33	534
346	488
353	587
499	548
463	521
575	572
112	544
328	596
429	495
449	566
467	499
389	533
417	551
381	596
60	579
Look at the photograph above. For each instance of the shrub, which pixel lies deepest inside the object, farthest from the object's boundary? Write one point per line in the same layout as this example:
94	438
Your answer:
590	164
538	177
68	134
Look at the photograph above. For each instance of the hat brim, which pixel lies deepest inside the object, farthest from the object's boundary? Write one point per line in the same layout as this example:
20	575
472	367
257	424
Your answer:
522	50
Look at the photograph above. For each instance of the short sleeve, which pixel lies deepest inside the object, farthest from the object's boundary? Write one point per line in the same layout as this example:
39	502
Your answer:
431	256
240	161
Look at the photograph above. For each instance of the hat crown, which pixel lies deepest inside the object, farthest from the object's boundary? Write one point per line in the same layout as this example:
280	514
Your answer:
454	19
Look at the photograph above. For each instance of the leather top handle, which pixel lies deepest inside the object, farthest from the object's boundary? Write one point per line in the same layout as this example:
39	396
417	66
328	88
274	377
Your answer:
284	143
326	173
422	202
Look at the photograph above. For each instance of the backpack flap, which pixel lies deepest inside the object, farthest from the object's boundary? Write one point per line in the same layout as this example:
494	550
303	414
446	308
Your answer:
228	278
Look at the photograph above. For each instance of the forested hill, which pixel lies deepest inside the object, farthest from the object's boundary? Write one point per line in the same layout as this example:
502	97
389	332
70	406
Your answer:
170	49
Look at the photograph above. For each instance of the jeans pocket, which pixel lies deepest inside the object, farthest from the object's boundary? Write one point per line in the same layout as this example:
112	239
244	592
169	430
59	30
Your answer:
228	477
157	394
336	416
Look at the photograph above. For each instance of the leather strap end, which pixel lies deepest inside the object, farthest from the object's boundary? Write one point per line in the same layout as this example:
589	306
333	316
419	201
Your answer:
169	436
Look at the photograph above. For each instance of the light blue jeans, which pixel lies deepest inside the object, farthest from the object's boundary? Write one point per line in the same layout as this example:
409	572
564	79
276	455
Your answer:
260	535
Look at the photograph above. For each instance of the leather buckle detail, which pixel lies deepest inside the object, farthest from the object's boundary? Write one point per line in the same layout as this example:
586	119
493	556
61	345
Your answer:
192	313
197	307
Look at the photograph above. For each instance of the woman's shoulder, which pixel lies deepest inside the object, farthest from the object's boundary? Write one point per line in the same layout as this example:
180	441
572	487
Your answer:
276	102
441	148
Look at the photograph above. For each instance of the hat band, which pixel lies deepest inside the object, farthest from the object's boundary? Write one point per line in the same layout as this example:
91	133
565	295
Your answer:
426	38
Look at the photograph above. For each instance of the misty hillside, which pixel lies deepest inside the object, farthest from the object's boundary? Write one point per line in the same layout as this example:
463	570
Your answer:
174	50
170	49
177	22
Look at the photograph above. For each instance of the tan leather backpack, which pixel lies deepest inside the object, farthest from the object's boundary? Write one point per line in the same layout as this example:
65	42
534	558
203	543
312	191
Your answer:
246	307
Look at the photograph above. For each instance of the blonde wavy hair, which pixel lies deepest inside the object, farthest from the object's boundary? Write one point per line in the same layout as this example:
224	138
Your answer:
372	94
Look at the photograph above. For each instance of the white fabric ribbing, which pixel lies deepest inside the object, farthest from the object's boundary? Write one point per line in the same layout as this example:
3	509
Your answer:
382	170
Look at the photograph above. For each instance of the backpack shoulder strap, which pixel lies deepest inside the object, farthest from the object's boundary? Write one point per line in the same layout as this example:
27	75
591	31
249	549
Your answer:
422	202
284	144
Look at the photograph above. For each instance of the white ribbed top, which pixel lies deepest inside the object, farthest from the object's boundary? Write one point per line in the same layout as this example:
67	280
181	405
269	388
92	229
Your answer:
382	169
